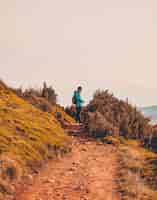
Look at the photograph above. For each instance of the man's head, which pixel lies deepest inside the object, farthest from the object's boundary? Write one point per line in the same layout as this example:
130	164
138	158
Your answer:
79	89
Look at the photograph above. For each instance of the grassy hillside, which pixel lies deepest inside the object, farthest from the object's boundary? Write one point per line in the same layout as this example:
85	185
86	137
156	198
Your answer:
137	172
57	109
28	137
44	99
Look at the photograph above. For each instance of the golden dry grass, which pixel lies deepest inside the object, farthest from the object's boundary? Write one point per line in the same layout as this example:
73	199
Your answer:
137	175
44	99
28	137
57	109
44	105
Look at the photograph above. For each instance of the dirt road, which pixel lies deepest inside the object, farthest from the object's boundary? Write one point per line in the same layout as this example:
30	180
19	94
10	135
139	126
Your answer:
87	173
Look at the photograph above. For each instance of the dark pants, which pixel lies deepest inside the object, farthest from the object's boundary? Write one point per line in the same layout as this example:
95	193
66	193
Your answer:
78	112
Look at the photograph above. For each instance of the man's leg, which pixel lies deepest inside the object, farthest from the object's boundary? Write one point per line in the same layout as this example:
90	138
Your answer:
77	115
78	112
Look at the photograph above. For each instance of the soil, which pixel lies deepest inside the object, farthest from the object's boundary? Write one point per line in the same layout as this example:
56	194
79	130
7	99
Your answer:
89	172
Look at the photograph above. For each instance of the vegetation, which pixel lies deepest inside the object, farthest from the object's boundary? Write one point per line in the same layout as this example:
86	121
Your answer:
137	174
138	171
107	115
31	132
118	123
44	99
28	137
46	92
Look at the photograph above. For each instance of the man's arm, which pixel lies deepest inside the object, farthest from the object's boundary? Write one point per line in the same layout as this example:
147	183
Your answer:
80	99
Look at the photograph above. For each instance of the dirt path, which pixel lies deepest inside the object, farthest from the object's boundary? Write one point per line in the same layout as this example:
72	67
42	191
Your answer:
87	173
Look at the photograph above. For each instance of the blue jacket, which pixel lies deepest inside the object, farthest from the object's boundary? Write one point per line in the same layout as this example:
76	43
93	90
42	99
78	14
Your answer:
79	100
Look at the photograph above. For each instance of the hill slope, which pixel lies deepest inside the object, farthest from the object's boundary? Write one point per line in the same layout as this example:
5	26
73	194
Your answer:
28	137
45	100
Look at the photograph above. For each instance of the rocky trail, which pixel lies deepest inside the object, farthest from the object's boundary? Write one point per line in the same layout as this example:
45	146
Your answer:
87	173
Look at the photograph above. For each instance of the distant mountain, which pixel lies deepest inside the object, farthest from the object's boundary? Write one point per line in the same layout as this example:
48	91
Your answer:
151	112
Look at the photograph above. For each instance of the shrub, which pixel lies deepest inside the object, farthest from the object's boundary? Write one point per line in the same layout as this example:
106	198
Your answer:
46	92
108	115
44	99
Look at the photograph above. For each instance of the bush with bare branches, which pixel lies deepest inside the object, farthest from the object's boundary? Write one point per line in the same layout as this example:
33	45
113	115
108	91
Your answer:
46	92
108	115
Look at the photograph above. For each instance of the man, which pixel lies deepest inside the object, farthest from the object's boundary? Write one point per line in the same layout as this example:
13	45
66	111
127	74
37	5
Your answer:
78	101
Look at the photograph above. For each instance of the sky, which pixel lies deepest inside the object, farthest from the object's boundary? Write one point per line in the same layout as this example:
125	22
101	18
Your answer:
99	44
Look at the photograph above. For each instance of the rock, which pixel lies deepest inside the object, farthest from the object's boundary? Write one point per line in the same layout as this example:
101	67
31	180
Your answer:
49	181
84	149
6	188
28	179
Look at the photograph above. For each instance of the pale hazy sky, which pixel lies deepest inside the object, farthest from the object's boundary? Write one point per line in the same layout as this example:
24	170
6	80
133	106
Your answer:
96	43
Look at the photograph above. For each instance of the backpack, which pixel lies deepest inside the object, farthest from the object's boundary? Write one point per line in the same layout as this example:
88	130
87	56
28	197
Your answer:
74	100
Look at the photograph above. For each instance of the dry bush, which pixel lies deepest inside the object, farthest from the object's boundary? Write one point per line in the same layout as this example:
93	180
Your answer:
71	111
64	117
49	94
115	116
98	125
151	141
39	103
34	97
46	92
45	99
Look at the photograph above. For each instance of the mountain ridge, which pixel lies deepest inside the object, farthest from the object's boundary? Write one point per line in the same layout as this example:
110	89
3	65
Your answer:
150	111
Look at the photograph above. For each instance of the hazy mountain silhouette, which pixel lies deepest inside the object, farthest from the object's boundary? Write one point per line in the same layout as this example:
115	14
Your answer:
150	111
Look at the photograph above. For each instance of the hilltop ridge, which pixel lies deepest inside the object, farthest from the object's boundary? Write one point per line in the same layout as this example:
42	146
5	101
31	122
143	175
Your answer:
150	111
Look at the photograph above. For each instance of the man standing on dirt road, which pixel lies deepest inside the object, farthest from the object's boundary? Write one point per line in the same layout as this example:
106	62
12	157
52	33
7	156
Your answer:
78	101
